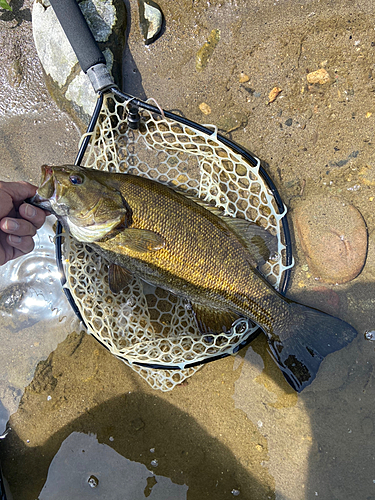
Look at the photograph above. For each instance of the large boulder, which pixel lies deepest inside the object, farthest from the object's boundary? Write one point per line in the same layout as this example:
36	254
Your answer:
333	236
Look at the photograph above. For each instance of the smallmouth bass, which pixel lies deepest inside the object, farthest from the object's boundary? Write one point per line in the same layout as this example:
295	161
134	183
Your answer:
184	245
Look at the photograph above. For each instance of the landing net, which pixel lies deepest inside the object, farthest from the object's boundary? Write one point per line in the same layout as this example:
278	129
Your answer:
151	330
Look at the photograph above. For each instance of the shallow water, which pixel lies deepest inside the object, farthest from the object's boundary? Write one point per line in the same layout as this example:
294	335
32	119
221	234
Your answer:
235	428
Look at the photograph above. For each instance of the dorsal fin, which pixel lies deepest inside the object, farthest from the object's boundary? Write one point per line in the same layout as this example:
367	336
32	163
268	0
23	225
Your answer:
260	243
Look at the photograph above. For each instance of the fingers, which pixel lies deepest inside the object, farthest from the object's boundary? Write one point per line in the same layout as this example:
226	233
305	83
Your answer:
12	246
21	244
35	215
20	231
18	191
17	227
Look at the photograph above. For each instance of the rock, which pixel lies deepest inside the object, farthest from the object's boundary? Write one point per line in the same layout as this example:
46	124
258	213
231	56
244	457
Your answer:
367	174
244	78
150	19
273	94
66	82
232	121
333	236
320	76
206	51
205	108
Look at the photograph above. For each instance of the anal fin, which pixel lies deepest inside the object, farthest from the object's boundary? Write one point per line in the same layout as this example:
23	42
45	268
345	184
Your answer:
213	321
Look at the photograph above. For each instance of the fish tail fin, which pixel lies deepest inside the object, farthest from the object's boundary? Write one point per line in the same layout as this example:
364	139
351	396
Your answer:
308	338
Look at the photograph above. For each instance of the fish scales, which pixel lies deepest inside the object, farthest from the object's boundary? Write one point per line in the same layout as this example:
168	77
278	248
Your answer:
201	252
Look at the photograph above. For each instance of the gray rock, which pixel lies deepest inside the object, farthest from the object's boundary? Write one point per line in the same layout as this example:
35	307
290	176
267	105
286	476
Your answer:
150	19
66	82
232	121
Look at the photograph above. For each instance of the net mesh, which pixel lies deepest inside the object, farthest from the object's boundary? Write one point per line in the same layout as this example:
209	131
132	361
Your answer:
146	324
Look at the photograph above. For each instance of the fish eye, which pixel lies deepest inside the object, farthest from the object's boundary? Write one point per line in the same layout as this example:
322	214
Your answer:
75	179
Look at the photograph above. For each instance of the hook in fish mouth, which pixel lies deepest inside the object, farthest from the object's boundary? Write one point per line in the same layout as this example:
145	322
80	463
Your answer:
46	191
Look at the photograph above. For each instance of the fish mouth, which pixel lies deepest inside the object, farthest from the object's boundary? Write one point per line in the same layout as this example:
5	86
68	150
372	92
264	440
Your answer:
46	191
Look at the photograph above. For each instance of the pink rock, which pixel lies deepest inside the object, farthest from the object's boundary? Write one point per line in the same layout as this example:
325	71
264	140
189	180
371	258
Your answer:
333	236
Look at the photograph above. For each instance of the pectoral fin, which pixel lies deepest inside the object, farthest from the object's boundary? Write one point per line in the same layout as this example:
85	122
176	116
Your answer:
118	278
139	240
213	321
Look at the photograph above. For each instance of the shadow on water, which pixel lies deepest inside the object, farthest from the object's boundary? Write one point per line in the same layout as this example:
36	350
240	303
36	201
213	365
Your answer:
320	444
337	410
131	78
185	452
340	406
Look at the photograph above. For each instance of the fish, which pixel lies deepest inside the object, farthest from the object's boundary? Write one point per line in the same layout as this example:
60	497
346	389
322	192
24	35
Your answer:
184	245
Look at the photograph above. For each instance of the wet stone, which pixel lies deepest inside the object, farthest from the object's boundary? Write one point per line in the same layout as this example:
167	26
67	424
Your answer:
150	19
333	237
67	84
232	121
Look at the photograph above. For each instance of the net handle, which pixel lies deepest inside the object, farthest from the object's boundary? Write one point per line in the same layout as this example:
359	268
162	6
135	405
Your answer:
76	29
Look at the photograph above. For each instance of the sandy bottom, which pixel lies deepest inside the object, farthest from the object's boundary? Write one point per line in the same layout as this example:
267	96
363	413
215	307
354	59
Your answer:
85	425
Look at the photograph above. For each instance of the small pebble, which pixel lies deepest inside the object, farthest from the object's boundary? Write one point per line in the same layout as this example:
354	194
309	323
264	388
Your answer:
137	424
205	108
232	121
244	78
320	76
93	481
289	122
273	94
370	336
154	463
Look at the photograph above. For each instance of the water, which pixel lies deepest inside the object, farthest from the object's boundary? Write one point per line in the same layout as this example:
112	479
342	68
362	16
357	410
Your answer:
34	317
235	426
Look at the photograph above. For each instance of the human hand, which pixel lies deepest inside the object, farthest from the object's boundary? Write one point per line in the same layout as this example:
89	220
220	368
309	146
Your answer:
18	220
